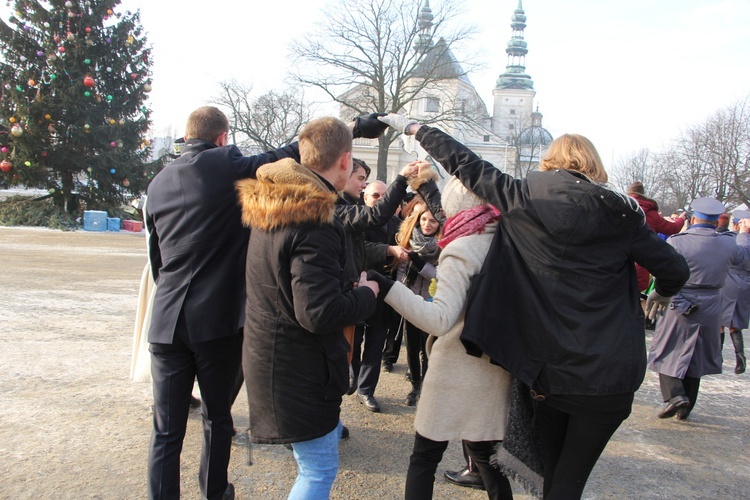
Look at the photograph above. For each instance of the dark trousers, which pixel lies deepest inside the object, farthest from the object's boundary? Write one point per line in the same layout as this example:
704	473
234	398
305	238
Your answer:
673	386
393	336
467	456
572	445
416	358
420	478
174	367
369	357
359	334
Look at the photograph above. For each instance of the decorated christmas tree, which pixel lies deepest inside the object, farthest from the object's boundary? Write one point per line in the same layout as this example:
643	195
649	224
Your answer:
73	119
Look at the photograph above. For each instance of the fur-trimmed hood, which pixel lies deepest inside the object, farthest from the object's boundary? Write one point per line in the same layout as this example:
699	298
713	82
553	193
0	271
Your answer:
424	176
285	194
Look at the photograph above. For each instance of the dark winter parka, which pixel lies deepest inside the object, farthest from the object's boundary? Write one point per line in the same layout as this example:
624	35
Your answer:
557	295
294	351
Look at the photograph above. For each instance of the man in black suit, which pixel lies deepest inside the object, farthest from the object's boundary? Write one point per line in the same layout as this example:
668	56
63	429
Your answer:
198	249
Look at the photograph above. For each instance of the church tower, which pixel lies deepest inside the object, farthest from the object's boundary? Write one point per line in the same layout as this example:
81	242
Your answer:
514	92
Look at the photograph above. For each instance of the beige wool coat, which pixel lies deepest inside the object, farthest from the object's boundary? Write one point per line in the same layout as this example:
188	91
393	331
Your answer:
463	397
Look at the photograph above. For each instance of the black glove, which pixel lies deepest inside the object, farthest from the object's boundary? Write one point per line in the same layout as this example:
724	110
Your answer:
384	283
416	260
369	126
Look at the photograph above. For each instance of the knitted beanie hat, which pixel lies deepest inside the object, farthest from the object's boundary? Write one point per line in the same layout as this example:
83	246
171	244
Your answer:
455	198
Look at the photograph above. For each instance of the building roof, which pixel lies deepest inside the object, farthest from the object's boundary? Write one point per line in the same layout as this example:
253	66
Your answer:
439	63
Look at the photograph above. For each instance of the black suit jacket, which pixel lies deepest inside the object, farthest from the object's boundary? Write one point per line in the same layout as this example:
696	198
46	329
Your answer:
198	245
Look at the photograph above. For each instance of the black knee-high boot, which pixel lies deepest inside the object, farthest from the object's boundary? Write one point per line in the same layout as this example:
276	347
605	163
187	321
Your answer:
739	351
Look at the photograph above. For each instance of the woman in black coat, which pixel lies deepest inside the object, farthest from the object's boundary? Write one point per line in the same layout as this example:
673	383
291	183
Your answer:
557	302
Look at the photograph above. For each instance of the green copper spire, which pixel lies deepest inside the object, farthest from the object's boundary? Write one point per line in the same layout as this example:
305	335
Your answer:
515	76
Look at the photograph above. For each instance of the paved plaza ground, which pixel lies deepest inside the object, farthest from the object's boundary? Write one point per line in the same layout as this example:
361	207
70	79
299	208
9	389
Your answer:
72	424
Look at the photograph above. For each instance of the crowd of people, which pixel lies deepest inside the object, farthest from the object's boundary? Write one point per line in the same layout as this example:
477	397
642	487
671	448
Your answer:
527	299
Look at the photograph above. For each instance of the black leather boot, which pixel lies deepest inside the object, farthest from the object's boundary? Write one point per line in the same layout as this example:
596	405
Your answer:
739	351
411	398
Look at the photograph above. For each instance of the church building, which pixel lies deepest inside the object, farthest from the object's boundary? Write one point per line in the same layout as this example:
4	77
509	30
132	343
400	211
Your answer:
512	138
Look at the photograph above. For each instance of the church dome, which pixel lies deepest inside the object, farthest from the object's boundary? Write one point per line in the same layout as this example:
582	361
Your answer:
534	136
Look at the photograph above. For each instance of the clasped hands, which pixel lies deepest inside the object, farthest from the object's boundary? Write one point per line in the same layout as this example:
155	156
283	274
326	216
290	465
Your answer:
373	125
415	168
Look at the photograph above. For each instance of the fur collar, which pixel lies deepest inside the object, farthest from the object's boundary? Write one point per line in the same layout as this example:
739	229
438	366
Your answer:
423	177
285	194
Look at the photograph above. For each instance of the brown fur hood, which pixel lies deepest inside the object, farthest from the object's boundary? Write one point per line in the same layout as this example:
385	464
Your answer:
424	176
285	194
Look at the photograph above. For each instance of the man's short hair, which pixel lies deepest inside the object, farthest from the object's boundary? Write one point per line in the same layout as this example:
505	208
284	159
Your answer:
360	164
322	141
206	123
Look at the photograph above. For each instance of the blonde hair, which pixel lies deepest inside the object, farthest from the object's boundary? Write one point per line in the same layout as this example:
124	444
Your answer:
574	152
323	141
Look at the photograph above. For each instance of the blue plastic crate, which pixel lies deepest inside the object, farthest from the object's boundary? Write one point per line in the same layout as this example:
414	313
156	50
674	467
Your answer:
94	220
113	223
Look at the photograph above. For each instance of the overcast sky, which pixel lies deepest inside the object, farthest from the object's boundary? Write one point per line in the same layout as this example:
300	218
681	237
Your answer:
626	73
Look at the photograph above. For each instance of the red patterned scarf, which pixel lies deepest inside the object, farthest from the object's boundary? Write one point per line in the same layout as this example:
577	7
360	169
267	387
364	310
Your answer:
466	222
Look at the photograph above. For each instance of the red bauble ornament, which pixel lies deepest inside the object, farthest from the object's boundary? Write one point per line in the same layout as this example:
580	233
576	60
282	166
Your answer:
88	81
133	75
5	165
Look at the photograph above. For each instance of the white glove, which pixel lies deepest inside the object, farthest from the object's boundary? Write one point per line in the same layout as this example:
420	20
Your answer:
398	122
656	305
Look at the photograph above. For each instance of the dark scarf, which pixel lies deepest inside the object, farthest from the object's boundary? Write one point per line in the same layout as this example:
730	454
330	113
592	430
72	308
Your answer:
425	246
519	455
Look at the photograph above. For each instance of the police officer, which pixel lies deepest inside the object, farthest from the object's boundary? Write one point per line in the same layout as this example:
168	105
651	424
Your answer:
685	345
735	302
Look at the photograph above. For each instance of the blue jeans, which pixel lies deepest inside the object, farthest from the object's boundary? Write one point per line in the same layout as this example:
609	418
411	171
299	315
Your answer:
317	466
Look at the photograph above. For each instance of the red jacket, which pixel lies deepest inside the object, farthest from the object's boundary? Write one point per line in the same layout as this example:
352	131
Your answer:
658	224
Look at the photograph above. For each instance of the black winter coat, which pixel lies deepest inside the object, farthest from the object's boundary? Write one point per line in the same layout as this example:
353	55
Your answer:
358	218
557	295
197	243
294	351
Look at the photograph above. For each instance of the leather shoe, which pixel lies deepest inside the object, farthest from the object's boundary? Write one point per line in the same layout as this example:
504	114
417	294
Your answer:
229	492
387	366
344	432
674	404
369	401
465	477
683	412
194	402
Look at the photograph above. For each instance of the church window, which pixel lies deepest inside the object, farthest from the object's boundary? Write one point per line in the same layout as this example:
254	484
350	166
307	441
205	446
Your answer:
432	105
486	138
511	126
512	111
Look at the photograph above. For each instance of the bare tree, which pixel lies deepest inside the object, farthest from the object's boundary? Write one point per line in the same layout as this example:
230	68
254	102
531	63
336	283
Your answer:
689	174
712	158
726	138
643	166
379	56
262	123
530	140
